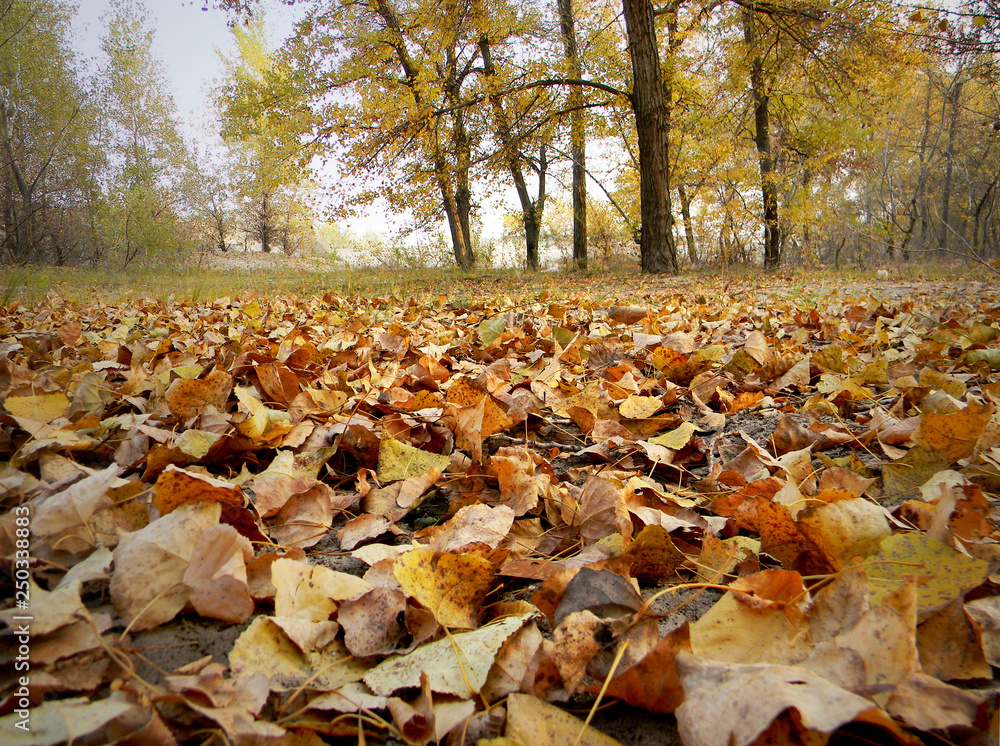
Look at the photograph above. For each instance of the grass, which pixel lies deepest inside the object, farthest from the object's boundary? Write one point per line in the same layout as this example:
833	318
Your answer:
28	287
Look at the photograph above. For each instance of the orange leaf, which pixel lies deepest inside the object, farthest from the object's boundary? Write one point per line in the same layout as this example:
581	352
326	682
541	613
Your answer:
176	486
954	435
188	398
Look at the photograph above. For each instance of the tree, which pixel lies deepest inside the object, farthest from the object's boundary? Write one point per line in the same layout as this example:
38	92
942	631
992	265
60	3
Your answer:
268	159
151	173
513	155
386	88
762	140
45	127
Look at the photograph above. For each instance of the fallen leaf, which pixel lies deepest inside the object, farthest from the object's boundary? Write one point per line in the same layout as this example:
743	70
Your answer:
451	586
458	664
530	720
603	511
63	519
954	435
188	398
217	575
727	704
37	407
845	529
653	683
475	524
924	703
943	573
985	616
735	632
176	487
311	592
291	653
372	622
398	461
147	586
67	721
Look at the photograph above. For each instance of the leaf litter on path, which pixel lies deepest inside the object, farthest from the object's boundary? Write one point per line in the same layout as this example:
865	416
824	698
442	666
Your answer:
429	522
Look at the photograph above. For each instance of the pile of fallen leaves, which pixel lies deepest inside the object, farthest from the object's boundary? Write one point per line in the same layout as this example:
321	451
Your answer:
516	487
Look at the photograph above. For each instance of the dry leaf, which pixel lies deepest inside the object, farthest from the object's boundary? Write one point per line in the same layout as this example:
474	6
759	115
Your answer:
943	574
458	664
726	704
530	720
176	487
311	592
188	398
451	586
147	586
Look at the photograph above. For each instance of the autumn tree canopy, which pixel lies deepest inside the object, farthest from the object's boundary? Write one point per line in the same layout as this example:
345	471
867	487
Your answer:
709	132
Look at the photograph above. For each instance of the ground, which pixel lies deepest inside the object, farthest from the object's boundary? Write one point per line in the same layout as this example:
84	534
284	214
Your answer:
694	405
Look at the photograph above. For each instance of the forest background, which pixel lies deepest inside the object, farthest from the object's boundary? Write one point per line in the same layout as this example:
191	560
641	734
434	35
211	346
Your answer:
719	132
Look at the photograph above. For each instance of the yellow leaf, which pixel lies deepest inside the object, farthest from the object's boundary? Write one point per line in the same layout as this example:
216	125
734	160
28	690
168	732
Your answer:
639	407
530	720
451	586
38	407
677	438
943	573
311	592
458	664
845	528
954	435
397	461
293	652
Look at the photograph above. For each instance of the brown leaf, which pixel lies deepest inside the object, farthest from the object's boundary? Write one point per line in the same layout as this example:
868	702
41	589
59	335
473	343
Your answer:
278	382
653	683
217	575
924	703
726	704
949	646
651	556
520	485
627	314
147	586
603	511
305	518
372	622
475	524
361	529
515	664
985	616
176	487
188	397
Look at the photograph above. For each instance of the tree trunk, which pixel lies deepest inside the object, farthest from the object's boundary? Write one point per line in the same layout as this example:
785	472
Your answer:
457	227
578	134
531	210
264	225
978	216
953	97
657	252
20	225
762	139
686	198
461	148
